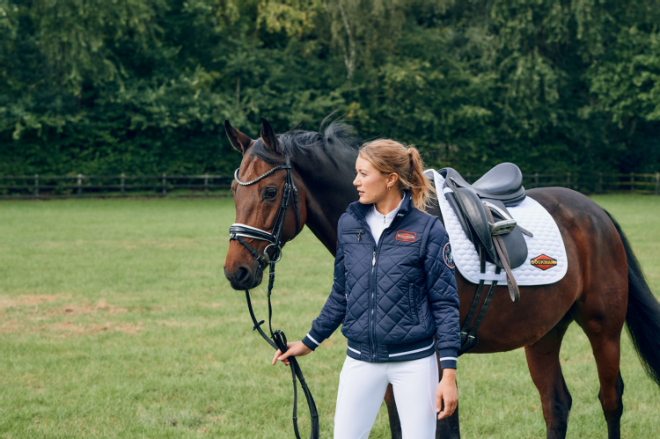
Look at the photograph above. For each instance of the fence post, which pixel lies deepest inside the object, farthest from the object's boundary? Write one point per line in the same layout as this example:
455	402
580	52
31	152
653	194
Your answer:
600	182
123	184
632	183
568	180
79	184
657	183
164	184
36	186
536	179
206	185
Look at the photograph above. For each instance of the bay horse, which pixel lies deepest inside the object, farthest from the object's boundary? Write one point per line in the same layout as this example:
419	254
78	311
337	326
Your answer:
603	288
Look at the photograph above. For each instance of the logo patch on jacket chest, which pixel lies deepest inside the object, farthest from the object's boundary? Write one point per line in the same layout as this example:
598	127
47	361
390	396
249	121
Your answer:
402	235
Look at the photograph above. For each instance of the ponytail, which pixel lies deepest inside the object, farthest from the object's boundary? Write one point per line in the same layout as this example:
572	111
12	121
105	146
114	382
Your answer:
421	190
389	156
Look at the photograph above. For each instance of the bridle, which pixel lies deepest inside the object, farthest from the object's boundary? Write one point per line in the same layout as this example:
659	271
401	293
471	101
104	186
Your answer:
238	231
277	339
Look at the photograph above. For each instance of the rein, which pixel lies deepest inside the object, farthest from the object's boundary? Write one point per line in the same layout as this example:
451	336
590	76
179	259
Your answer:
277	338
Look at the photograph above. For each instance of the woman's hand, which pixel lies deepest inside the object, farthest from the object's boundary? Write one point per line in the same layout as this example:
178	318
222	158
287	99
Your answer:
295	349
448	392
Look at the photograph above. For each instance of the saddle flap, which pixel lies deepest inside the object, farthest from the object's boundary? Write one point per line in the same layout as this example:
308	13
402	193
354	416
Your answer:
473	209
470	209
516	246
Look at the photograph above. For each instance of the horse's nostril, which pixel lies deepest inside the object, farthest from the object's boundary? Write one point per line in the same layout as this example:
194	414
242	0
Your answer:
239	278
242	275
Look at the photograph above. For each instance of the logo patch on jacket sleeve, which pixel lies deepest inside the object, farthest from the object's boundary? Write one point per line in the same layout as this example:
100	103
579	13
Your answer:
449	258
402	235
543	262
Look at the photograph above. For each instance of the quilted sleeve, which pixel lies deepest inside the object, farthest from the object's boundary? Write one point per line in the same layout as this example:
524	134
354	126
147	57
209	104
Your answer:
334	310
443	294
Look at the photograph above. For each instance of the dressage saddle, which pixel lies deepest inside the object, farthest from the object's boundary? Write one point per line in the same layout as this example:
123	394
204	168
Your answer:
481	209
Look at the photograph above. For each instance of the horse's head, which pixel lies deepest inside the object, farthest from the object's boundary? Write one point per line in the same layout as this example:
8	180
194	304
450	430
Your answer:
263	224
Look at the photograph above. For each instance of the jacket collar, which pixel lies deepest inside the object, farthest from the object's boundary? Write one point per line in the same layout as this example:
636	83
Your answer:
359	210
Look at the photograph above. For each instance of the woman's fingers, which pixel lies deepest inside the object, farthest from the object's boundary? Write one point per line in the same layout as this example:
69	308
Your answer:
283	357
446	412
289	352
438	403
286	355
450	407
447	394
277	354
295	349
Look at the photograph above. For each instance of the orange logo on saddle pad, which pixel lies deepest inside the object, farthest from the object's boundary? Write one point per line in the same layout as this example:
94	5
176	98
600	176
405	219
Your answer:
402	235
543	262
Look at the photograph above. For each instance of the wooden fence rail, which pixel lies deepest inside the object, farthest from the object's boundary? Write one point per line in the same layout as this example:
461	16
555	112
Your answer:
208	185
70	186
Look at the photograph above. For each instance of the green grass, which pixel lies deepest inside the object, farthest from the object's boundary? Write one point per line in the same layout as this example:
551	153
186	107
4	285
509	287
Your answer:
116	321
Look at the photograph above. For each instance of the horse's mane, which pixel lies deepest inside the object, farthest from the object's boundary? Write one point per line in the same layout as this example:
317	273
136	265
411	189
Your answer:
332	139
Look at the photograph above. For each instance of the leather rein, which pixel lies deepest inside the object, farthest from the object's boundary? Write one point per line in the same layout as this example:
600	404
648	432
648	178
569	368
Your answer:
277	339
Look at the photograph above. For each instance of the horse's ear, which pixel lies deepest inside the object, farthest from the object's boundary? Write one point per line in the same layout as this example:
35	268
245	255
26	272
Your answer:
269	138
237	139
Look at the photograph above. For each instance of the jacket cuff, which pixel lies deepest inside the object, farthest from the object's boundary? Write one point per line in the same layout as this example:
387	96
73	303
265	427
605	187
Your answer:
448	358
312	340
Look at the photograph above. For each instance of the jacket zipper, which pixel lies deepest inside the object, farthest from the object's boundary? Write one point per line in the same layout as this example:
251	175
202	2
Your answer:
372	320
359	234
374	261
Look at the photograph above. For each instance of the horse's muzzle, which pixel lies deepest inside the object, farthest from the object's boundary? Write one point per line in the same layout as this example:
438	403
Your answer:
245	277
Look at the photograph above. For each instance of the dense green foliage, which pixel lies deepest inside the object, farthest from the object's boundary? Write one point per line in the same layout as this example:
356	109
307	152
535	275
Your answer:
143	86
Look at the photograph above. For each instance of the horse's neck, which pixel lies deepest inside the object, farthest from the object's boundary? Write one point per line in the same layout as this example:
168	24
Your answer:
322	227
327	198
323	212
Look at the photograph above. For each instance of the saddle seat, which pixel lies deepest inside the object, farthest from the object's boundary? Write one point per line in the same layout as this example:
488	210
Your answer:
498	188
502	183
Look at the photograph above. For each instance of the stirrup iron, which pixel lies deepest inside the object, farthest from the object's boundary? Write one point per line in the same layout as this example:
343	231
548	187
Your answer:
502	227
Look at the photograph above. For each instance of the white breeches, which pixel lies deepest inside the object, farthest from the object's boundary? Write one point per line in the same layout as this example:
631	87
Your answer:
362	387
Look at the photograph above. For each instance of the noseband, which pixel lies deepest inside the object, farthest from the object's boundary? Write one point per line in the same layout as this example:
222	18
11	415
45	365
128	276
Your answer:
277	339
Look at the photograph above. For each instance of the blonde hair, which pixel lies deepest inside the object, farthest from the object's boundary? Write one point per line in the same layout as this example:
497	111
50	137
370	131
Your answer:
389	156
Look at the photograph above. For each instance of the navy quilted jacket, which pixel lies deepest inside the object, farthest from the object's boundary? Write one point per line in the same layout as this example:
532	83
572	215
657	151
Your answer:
392	298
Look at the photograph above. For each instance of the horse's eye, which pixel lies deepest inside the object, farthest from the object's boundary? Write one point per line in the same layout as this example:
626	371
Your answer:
270	193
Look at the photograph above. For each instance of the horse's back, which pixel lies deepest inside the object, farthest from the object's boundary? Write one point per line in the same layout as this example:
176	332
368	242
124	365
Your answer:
573	210
596	254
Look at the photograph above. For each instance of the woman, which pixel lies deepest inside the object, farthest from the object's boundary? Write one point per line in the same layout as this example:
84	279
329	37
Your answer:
394	290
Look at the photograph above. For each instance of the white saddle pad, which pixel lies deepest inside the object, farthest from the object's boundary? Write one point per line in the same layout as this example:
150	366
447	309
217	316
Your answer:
546	261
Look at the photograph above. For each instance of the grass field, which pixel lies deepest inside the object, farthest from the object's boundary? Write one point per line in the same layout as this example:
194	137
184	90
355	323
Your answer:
116	321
